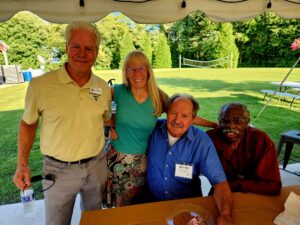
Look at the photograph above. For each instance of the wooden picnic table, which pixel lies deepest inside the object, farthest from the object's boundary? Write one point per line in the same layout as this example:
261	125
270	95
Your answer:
248	209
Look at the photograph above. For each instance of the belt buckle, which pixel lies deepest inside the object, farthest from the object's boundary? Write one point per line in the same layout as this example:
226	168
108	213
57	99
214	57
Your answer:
75	163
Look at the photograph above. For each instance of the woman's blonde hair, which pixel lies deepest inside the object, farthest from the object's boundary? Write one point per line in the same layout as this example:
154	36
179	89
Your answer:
157	96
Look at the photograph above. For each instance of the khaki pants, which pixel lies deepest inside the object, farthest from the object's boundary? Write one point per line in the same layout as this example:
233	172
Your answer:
88	179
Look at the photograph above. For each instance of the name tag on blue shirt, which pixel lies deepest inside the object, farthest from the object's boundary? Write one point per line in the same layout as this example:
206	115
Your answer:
185	171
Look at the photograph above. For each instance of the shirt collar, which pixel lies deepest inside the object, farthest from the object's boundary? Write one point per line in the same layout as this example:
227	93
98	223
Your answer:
63	75
65	78
90	83
189	134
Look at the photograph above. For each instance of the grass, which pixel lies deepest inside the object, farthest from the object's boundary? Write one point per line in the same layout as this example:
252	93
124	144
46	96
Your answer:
212	88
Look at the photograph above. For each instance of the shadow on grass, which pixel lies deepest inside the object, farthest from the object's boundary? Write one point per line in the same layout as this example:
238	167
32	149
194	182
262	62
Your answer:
215	85
275	119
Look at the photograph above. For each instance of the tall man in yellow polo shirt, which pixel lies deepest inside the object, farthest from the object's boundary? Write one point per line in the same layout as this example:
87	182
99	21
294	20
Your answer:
72	104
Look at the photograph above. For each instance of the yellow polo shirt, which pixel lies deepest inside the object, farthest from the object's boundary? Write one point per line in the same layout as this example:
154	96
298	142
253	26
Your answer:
71	116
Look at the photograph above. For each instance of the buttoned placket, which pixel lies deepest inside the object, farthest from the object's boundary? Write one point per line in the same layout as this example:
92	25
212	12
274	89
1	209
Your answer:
167	168
81	94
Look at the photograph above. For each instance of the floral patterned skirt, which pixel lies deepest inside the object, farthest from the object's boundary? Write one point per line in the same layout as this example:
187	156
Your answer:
126	177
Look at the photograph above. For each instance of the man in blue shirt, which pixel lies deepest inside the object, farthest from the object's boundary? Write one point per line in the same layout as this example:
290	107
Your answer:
178	152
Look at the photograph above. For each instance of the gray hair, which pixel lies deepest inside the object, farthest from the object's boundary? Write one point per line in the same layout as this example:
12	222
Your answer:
186	96
86	26
230	105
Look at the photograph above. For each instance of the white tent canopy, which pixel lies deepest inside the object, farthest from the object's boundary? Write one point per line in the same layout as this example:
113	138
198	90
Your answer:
148	11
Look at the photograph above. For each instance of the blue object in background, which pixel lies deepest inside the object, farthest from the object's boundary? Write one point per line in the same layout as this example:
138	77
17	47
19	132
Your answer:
27	75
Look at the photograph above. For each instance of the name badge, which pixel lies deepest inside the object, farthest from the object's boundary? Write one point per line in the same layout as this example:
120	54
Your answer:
182	170
96	91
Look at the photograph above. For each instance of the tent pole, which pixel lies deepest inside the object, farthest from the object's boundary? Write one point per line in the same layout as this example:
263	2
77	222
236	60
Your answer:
278	89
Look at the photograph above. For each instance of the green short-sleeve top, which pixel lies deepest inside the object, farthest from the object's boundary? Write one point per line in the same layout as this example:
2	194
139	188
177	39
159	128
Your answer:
134	121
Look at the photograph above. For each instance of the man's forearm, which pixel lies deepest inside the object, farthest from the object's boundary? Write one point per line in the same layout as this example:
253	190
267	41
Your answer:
223	199
200	121
259	186
26	138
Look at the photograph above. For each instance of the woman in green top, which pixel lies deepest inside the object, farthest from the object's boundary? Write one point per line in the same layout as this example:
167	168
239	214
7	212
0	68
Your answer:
139	103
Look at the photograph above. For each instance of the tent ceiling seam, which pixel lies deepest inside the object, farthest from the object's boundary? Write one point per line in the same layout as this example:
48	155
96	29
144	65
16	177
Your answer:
290	1
236	1
132	1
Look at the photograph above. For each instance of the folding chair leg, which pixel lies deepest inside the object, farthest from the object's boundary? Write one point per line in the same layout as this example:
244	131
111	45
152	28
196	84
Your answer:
265	96
292	103
281	142
287	153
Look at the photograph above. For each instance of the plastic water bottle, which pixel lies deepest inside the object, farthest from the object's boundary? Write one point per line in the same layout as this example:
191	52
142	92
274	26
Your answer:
28	202
113	107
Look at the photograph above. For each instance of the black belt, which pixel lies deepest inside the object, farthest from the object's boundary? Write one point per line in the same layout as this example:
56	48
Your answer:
82	161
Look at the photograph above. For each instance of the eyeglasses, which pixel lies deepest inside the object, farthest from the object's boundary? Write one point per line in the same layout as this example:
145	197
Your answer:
236	120
132	70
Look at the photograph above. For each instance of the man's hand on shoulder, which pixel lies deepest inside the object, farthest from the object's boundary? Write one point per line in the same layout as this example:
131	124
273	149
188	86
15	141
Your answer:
113	135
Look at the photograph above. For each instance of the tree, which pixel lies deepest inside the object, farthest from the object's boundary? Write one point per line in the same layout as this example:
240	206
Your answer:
142	40
261	42
198	38
146	46
104	59
161	52
26	35
112	28
55	51
225	46
125	48
265	40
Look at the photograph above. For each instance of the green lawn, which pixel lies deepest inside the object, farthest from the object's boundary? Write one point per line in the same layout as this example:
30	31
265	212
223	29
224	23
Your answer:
212	88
